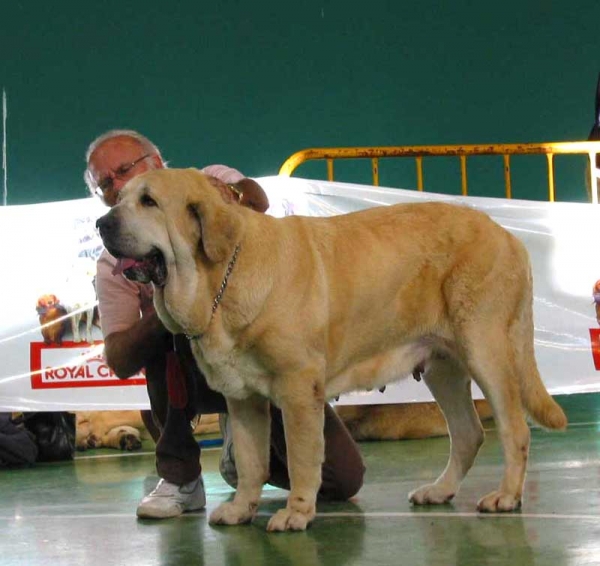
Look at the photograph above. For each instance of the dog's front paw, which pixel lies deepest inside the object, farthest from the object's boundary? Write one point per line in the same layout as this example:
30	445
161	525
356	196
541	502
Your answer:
289	520
230	513
498	502
431	494
130	442
93	441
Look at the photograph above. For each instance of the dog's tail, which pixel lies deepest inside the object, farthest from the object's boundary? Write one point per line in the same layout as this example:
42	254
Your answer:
540	405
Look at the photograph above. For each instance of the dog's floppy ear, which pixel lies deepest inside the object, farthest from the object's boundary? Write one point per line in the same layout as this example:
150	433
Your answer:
220	226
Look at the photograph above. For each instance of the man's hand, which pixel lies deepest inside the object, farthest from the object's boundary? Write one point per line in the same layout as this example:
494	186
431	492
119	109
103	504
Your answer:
253	195
227	194
246	192
128	351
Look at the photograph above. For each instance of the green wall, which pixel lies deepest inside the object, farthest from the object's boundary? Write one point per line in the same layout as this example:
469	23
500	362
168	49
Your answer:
249	83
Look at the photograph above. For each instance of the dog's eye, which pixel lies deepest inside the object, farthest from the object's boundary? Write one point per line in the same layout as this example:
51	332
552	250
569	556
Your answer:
147	201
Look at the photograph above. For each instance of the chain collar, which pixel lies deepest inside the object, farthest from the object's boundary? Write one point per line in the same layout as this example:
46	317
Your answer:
221	291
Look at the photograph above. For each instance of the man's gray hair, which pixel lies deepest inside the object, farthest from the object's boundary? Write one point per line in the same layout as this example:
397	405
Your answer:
144	142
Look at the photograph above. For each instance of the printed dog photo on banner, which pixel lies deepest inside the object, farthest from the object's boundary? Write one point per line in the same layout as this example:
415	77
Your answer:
50	336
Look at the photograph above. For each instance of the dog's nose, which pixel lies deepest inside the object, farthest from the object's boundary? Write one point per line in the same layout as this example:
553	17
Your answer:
105	224
100	223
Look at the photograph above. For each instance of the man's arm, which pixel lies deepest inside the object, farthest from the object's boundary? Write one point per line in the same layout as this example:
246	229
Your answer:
133	333
128	351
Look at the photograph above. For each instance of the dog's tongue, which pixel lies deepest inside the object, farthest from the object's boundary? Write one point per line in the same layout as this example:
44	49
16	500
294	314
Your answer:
123	264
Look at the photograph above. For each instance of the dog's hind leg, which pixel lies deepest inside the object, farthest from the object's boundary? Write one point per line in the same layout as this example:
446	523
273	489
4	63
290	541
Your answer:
493	368
450	385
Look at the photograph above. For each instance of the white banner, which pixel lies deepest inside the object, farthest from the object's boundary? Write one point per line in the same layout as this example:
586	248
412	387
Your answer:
49	253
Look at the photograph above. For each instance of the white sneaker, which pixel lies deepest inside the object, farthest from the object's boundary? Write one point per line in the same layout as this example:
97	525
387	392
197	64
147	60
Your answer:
170	500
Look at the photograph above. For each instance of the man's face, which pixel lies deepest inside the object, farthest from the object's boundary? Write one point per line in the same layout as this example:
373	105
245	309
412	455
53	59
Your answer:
115	162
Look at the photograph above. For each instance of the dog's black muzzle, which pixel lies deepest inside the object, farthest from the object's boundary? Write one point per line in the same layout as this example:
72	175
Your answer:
107	225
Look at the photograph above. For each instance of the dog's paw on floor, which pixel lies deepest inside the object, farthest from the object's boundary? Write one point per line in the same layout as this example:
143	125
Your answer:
130	442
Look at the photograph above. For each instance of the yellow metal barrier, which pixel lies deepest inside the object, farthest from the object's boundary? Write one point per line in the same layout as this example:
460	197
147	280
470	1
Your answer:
550	149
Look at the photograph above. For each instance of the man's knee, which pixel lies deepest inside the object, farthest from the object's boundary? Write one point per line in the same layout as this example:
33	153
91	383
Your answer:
342	484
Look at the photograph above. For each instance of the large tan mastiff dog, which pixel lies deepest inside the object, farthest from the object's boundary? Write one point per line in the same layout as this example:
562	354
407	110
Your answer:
298	310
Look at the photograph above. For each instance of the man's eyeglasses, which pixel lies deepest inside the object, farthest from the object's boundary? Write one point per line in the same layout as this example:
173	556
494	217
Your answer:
119	173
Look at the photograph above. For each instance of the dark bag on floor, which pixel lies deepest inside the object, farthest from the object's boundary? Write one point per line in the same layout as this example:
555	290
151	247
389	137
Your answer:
17	444
54	435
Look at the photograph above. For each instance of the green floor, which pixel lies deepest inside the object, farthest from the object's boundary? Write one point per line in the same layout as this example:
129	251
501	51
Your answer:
83	512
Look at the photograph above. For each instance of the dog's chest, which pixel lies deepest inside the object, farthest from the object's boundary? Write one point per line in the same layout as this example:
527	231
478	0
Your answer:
233	373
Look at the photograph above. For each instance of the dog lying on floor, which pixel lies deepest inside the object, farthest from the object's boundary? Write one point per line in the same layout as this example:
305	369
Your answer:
123	430
299	310
400	421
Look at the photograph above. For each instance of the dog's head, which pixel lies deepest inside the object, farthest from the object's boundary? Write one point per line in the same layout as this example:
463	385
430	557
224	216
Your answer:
164	219
45	302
